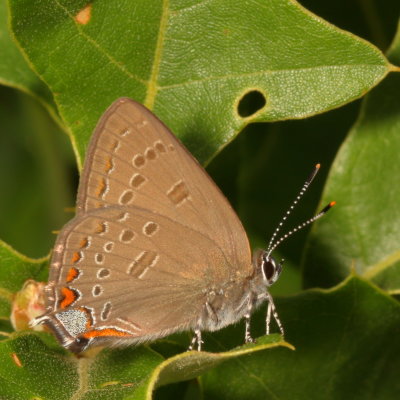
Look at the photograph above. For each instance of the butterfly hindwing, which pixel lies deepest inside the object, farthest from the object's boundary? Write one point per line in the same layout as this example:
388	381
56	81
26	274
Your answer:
125	266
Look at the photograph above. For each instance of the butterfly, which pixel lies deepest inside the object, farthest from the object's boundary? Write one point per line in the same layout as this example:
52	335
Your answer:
155	248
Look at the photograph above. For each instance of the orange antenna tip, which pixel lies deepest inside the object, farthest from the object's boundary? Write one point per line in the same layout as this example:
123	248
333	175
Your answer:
318	165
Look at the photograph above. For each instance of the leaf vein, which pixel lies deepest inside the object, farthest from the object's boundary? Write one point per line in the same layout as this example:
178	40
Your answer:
260	73
152	87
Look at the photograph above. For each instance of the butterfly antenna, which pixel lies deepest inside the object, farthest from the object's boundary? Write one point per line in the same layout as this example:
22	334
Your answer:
301	226
307	183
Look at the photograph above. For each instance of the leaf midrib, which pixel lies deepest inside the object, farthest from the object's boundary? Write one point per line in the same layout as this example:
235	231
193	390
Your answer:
152	86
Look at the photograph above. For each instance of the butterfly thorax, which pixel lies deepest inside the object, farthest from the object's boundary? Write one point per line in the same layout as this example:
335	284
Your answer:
232	302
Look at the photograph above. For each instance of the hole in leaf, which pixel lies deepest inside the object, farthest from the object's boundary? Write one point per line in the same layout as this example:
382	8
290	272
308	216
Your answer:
250	103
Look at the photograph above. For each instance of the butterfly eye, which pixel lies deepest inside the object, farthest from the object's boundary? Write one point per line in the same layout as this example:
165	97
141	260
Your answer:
271	269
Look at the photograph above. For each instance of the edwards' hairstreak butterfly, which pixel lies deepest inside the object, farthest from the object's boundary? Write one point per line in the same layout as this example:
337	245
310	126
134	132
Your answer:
155	247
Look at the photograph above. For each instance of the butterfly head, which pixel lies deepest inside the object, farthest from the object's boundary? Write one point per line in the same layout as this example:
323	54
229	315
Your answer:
270	268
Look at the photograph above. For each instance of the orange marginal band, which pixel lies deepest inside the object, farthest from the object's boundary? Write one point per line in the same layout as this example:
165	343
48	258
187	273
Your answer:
76	257
73	273
69	296
109	165
101	228
101	188
84	243
104	332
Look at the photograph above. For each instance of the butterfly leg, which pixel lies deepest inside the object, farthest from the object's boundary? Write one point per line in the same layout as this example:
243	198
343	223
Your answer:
196	338
271	310
268	318
250	304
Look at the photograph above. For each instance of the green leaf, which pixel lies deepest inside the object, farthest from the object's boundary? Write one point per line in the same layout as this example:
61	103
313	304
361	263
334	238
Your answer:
364	234
346	348
189	365
49	372
192	63
15	71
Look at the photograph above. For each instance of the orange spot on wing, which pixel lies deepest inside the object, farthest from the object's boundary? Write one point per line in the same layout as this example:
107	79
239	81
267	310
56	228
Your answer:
105	332
101	228
101	189
69	296
109	165
83	16
76	257
83	243
73	273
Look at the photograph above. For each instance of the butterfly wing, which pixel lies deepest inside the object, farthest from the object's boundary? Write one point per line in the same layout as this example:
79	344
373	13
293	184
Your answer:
134	160
152	238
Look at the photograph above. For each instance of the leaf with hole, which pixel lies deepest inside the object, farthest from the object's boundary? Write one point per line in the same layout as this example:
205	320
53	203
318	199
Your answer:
193	64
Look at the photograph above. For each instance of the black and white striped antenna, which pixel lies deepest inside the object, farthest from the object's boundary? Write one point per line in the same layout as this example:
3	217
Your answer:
273	244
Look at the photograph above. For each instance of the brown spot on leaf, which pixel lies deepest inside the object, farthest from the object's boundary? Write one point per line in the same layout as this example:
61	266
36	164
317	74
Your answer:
83	16
16	360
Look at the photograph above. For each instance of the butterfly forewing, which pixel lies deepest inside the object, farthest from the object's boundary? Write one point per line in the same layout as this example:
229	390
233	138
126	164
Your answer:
134	160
